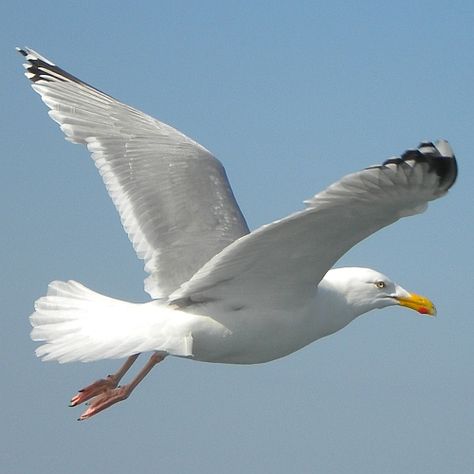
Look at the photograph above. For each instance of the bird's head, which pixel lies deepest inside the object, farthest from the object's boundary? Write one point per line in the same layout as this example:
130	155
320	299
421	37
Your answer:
366	289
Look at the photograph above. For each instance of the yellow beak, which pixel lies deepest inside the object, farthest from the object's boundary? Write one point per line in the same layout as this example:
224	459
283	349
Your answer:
418	303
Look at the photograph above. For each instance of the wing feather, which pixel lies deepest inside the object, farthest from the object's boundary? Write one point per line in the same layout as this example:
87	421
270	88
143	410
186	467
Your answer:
283	262
172	194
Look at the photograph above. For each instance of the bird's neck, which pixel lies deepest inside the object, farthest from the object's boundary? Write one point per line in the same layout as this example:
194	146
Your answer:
331	308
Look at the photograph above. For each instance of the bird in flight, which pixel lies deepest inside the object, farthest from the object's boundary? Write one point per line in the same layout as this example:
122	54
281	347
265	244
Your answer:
219	293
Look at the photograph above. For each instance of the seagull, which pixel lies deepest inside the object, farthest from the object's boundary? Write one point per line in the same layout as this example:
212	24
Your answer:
218	292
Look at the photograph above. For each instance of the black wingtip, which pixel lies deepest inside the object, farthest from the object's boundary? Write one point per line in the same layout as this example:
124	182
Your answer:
440	158
38	68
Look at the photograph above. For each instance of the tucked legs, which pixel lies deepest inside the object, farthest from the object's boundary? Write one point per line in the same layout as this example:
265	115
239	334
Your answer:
105	392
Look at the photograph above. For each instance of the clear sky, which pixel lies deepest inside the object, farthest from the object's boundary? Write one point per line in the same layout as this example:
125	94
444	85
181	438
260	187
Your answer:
290	96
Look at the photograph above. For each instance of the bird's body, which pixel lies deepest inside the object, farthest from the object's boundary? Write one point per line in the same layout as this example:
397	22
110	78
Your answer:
219	292
251	335
208	332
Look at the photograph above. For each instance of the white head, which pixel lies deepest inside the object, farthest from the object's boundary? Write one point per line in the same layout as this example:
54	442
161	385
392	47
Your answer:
364	289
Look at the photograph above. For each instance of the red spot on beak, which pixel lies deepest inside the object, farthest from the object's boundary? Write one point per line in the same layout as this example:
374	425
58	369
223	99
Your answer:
423	311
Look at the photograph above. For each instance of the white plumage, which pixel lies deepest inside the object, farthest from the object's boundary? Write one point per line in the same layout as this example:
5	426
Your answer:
80	324
220	293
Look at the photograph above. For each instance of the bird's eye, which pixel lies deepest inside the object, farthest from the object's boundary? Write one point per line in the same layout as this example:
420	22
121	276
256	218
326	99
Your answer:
380	284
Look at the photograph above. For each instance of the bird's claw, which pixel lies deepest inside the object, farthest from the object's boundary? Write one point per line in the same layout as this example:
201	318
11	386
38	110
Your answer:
93	390
105	400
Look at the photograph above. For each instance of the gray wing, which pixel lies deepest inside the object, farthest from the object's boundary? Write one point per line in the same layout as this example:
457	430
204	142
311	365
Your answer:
173	196
280	264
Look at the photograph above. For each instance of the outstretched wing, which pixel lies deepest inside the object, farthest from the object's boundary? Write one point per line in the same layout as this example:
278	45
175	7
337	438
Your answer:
281	263
173	196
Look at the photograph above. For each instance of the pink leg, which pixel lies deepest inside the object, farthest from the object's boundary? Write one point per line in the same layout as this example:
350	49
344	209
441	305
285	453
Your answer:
103	385
110	397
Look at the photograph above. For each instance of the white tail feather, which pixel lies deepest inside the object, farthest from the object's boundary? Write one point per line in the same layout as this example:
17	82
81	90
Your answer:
78	324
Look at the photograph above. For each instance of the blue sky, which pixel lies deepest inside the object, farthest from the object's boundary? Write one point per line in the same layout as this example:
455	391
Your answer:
290	96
